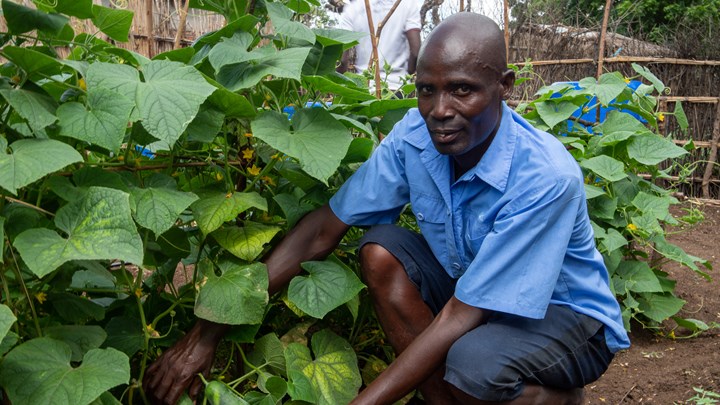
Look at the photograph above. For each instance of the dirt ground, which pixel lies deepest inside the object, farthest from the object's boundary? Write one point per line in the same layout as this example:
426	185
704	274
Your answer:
657	370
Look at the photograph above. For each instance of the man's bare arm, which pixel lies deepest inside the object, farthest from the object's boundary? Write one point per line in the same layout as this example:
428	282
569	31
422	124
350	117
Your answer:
413	37
424	355
313	238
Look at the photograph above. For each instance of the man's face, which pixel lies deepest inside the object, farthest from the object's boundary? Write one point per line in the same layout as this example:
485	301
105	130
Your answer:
460	99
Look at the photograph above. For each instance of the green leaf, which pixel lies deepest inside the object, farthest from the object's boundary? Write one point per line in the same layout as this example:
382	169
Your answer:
217	393
377	108
638	277
125	334
335	36
322	59
37	109
233	50
617	121
553	112
232	104
32	159
606	167
39	372
285	63
211	212
317	140
592	191
680	116
647	74
75	8
674	252
168	99
613	240
660	307
206	125
7	319
2	246
32	61
280	17
105	122
80	338
102	215
246	242
332	378
269	353
327	286
158	208
21	19
293	207
113	22
655	206
333	85
607	88
650	149
237	297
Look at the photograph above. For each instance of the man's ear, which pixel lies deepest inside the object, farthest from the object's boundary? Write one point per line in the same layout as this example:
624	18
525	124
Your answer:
507	81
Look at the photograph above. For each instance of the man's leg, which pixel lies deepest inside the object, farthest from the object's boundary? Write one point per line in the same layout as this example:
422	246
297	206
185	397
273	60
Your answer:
517	360
398	303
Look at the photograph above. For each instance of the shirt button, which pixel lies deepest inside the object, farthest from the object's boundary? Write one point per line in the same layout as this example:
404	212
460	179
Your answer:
456	266
420	216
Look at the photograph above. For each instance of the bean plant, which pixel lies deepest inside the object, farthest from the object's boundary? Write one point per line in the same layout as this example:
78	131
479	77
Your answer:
138	195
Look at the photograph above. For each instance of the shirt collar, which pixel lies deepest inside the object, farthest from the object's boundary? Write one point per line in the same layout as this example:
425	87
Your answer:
494	167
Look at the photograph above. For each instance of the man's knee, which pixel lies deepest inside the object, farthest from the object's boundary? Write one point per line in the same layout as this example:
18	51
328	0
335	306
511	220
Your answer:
479	372
375	264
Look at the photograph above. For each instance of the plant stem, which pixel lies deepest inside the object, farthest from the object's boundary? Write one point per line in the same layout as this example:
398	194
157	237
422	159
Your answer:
27	294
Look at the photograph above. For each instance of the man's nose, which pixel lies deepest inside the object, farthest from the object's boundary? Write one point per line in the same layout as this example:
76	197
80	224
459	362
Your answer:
442	106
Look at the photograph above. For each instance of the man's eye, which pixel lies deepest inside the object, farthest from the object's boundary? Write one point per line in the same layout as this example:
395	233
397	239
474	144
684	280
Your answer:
462	90
424	90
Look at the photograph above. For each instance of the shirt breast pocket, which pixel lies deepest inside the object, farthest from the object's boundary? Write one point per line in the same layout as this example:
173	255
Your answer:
477	227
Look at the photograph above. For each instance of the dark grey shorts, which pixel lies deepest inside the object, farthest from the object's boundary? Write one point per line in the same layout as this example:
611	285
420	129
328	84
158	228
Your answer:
494	361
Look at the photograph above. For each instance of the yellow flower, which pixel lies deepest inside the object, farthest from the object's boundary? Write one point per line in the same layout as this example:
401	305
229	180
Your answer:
229	194
661	117
276	156
627	80
41	297
248	135
632	227
254	170
138	292
152	331
268	180
82	84
218	176
247	153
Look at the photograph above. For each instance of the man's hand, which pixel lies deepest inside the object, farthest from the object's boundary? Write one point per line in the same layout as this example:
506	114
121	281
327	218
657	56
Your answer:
178	367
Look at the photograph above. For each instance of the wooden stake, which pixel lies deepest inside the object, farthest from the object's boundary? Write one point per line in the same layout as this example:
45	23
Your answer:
601	51
375	58
149	30
712	159
506	17
181	24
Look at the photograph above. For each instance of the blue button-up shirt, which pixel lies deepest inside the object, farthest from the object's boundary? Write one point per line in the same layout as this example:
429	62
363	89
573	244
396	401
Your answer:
514	230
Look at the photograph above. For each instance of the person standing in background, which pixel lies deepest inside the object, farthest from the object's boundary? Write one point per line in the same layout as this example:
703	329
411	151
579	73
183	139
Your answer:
399	41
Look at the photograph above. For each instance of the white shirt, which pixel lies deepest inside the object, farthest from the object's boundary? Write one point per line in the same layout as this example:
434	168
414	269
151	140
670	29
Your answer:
393	48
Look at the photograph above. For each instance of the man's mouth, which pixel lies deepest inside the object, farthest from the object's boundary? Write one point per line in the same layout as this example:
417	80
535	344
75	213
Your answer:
445	135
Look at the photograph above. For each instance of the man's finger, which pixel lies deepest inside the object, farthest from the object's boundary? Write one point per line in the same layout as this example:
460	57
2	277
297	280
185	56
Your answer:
195	388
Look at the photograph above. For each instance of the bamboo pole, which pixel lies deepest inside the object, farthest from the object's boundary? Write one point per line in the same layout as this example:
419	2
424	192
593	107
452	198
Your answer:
149	30
374	43
601	51
181	25
623	59
713	155
462	5
691	99
506	18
